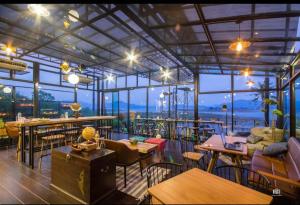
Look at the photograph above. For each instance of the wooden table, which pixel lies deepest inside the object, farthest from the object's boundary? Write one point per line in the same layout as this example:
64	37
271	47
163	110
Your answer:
32	124
199	187
215	144
142	147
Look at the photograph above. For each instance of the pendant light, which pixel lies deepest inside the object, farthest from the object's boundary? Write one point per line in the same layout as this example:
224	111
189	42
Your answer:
239	44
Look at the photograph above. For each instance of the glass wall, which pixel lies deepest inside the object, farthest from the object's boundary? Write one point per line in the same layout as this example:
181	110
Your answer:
85	98
123	111
286	111
297	106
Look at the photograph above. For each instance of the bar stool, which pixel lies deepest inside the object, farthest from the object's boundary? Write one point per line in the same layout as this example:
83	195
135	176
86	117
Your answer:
50	135
107	130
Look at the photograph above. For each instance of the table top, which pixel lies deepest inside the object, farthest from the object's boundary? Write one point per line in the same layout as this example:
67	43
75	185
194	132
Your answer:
215	143
38	122
87	156
199	187
143	147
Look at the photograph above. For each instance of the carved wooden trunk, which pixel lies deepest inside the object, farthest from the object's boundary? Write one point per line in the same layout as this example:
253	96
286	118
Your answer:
87	176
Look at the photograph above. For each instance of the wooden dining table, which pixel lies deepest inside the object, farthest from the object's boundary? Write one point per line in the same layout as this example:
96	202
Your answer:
196	186
215	144
142	147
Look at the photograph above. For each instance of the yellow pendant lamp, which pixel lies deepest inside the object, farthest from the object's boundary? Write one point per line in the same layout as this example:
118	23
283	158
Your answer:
239	44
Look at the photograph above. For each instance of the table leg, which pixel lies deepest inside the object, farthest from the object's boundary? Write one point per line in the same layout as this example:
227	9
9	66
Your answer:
31	148
23	133
213	161
237	161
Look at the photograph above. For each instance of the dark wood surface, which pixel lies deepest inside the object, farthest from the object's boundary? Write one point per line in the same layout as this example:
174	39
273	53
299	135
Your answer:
87	176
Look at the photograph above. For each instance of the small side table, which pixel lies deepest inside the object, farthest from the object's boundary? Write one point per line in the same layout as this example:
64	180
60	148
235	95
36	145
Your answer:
161	143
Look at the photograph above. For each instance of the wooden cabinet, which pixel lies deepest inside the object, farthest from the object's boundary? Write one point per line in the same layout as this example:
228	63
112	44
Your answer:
87	176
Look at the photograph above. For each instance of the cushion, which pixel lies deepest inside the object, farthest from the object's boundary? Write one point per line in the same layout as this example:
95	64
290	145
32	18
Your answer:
275	149
138	138
160	142
254	139
266	133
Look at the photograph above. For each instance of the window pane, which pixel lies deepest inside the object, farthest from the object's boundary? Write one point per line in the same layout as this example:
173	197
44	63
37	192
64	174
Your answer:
47	77
123	110
286	111
214	82
185	101
297	106
108	103
143	80
158	102
24	103
137	104
121	82
240	82
85	98
131	81
247	111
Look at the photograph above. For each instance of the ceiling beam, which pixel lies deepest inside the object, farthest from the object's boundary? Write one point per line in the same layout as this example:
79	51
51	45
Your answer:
208	35
254	40
233	19
241	54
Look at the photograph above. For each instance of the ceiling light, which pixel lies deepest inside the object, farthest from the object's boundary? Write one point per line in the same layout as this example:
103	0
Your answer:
7	90
239	44
67	24
65	67
110	78
177	27
73	79
38	9
256	33
250	83
256	55
166	74
132	57
73	15
9	49
246	72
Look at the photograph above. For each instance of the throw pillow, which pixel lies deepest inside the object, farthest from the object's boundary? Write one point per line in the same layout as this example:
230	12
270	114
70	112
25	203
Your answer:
276	149
254	139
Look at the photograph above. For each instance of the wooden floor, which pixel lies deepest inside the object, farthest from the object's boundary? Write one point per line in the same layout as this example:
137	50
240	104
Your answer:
21	185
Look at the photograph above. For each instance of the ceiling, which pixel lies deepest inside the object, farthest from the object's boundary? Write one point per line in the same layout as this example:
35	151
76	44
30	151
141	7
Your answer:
187	37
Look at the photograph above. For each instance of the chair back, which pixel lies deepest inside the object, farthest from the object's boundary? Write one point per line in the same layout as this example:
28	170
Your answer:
124	154
158	172
12	130
248	177
187	144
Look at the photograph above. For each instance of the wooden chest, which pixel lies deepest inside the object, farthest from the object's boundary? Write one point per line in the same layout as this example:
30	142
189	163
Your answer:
87	176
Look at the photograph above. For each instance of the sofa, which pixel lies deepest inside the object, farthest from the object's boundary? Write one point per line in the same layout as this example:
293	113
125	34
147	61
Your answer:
266	133
283	172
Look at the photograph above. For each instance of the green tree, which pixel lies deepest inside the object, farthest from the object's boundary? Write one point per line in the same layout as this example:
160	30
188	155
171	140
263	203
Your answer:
44	96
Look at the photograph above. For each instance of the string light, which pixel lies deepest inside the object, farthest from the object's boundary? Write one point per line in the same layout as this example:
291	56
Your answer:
132	57
39	10
250	83
166	74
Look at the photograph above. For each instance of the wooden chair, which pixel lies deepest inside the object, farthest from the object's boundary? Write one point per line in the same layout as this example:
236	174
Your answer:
51	135
188	153
14	132
159	172
248	177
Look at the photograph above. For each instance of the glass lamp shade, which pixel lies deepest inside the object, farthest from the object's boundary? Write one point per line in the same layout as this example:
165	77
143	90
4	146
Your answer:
239	45
7	90
73	79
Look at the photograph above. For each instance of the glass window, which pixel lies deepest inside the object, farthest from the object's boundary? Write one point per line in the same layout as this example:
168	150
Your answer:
24	103
155	78
242	83
85	98
143	80
121	82
297	106
286	111
48	77
158	102
247	108
107	103
137	105
123	111
212	107
131	81
185	102
210	82
111	84
6	106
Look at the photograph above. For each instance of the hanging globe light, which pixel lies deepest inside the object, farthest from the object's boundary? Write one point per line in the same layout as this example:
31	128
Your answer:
73	79
65	67
7	90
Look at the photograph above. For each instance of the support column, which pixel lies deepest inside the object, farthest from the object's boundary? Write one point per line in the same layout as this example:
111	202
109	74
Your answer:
36	81
292	104
267	95
75	93
196	92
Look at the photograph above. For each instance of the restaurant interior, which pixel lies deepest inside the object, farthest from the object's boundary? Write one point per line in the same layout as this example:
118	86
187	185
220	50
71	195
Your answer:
149	103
